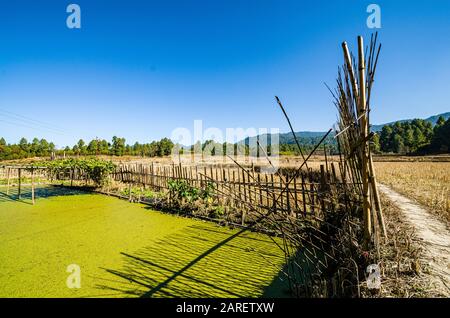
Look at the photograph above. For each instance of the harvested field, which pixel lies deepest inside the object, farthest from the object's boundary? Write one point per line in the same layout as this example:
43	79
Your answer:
426	182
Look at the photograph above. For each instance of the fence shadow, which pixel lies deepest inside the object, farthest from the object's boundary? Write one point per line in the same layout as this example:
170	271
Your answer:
40	192
304	267
199	261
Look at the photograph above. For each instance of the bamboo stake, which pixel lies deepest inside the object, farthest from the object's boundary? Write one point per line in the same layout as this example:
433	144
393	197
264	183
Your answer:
32	186
20	183
292	130
348	62
303	194
8	177
376	197
364	133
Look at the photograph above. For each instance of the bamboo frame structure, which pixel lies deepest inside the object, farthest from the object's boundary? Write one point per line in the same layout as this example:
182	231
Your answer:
352	99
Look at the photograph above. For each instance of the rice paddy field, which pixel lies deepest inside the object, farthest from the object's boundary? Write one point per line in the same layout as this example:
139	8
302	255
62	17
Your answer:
426	182
126	250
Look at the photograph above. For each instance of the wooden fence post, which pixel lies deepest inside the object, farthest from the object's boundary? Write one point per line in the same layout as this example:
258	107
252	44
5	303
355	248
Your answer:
20	183
7	182
32	186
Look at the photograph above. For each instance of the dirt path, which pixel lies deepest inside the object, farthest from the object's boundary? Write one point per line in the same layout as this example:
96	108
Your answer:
434	238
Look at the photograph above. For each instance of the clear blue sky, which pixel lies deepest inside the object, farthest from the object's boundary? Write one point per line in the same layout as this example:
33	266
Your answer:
139	69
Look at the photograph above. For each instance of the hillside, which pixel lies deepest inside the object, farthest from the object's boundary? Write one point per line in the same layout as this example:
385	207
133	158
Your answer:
312	137
431	119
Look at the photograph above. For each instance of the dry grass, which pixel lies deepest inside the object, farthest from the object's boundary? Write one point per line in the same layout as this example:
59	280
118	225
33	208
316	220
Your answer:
426	182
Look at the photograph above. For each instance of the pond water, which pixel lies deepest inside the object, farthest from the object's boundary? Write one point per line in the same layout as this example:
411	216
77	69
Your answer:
126	250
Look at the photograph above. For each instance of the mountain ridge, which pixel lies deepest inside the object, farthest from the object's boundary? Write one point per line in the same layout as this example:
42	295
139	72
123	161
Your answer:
432	119
312	136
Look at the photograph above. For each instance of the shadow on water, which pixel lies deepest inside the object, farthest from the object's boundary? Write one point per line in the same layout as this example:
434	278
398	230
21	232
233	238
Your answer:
198	261
305	267
40	192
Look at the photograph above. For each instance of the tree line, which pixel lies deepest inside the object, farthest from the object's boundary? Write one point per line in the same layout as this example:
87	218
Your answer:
117	147
414	137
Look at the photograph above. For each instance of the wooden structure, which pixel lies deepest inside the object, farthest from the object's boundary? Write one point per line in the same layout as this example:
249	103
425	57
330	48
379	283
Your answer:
20	174
352	99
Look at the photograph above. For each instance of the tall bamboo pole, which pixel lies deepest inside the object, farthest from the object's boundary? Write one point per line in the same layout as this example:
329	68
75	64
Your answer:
364	133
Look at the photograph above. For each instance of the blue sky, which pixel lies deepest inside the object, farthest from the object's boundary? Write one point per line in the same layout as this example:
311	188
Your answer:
140	69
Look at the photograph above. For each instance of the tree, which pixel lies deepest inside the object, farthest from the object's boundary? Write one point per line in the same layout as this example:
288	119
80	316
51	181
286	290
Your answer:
398	145
3	147
43	149
23	144
104	147
35	145
93	147
375	145
409	140
441	138
385	139
76	150
81	147
118	146
406	137
440	122
165	147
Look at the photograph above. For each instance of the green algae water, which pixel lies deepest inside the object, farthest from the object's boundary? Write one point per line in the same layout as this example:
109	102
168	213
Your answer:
126	250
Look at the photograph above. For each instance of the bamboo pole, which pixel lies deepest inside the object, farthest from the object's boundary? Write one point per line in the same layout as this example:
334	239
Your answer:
348	62
376	197
20	183
303	194
364	133
7	183
32	186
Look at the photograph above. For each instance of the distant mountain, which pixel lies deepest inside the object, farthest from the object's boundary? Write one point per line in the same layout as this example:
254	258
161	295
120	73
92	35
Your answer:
432	119
304	137
312	137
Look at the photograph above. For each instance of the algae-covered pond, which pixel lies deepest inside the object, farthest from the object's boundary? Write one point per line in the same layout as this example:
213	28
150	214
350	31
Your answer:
126	250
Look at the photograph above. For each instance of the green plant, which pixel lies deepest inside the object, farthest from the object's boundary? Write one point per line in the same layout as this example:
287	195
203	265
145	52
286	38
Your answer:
217	211
96	170
181	191
139	192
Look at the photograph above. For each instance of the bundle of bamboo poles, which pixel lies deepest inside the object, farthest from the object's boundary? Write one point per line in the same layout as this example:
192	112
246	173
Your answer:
352	99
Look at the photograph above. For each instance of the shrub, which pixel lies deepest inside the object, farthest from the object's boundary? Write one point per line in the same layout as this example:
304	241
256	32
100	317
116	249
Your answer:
96	170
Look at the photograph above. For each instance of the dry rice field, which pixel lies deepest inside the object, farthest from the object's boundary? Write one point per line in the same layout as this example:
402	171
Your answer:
426	182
